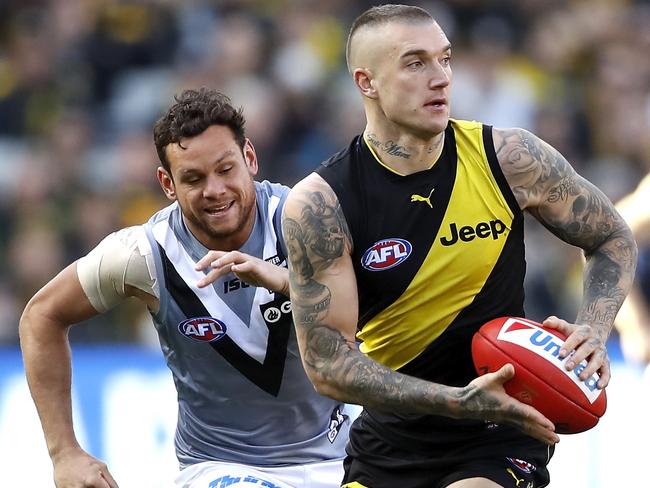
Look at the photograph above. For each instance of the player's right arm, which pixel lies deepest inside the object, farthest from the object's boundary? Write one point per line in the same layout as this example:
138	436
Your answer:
325	307
108	273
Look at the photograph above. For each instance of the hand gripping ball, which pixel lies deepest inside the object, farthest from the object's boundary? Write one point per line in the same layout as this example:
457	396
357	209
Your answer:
540	380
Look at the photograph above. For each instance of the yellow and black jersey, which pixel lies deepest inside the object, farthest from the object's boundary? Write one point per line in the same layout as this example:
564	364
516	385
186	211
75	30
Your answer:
436	253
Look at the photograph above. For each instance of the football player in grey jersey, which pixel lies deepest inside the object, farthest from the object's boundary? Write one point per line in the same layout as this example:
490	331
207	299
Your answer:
211	268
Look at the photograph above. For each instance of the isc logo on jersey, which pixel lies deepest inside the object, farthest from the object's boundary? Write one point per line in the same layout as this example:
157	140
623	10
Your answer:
547	346
386	254
202	329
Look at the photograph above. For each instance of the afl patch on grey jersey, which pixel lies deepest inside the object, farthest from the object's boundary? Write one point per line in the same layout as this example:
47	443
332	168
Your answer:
243	394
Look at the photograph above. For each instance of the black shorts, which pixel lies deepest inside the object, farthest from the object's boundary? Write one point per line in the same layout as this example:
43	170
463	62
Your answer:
499	453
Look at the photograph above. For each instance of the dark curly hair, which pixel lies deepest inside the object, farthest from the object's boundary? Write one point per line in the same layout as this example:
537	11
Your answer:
193	112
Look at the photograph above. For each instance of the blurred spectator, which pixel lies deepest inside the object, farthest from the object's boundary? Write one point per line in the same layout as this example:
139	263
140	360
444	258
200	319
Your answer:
82	82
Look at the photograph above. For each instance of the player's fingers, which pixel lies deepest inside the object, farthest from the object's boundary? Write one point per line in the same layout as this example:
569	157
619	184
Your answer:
206	260
245	267
538	426
595	360
558	324
109	479
574	335
228	259
587	346
575	342
96	480
544	435
554	322
605	374
581	353
231	257
505	373
212	276
535	417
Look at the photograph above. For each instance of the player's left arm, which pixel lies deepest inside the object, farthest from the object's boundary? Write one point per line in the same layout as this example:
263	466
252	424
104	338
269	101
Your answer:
577	212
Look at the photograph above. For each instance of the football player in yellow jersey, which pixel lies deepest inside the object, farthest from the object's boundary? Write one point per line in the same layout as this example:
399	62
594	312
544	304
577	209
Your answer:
408	241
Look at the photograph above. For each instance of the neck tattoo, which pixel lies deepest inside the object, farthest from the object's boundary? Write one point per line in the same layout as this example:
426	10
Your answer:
436	146
389	147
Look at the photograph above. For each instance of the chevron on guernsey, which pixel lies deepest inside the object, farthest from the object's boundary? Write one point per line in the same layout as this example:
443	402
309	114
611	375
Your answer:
386	254
547	346
203	329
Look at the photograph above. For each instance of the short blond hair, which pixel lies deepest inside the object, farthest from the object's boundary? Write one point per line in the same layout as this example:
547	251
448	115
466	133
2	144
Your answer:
383	14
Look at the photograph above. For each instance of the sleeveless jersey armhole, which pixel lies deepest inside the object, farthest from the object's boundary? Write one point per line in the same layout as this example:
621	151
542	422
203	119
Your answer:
497	172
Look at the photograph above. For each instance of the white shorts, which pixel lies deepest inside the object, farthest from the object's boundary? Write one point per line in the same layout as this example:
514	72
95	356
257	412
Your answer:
214	474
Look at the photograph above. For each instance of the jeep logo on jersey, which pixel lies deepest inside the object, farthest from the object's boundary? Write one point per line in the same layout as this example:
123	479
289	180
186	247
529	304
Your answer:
203	329
483	230
386	254
547	346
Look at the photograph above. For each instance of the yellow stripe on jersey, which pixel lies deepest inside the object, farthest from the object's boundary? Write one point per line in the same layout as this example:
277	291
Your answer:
471	238
354	484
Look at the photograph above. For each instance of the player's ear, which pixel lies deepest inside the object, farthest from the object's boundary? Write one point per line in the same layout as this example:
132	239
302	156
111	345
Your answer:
166	183
363	78
250	157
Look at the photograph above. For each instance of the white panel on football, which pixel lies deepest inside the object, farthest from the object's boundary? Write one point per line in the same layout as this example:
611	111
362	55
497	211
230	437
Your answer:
547	346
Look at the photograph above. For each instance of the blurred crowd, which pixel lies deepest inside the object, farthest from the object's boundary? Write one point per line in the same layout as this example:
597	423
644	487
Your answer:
82	81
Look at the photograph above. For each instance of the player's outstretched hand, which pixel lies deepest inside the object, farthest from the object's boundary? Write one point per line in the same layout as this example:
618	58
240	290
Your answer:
252	270
487	399
78	469
586	342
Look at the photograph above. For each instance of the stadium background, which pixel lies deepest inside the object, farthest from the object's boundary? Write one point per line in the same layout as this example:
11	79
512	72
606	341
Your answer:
81	82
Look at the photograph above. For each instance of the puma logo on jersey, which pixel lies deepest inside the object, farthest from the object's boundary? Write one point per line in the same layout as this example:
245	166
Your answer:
419	198
512	473
483	230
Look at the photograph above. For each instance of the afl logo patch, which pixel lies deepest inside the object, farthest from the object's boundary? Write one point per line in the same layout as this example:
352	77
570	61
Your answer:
386	254
202	329
522	465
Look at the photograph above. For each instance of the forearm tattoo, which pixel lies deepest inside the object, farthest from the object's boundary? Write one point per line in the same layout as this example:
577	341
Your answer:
317	236
372	384
578	213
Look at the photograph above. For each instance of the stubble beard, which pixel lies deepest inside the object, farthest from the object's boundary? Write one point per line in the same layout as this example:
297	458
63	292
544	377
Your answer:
242	219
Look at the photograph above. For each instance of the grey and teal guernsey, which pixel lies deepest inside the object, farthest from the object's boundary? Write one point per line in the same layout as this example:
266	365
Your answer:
243	395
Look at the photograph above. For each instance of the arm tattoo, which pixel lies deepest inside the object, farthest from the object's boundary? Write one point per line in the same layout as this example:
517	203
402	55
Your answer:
578	213
372	384
324	228
311	297
609	272
529	164
316	238
314	243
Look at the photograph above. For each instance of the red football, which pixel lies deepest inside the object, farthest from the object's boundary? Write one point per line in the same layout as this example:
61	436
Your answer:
541	379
